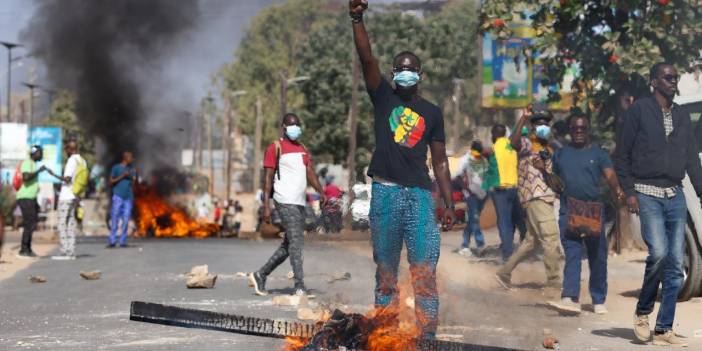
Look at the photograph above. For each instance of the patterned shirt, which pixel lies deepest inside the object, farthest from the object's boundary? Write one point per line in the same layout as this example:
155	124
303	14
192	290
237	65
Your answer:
531	184
655	191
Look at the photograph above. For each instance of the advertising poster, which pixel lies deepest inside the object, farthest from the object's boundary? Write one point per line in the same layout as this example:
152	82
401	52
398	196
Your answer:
50	139
510	79
13	148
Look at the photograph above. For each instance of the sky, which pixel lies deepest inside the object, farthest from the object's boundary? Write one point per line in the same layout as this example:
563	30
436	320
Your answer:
208	48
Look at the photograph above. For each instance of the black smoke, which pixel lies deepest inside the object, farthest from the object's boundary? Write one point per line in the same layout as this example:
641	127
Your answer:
110	53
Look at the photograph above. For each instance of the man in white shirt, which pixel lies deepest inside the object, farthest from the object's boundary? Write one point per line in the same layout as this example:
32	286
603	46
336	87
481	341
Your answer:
68	202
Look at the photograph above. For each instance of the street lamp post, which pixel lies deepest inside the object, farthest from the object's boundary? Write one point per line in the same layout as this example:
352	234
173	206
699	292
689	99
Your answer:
9	46
31	101
285	82
228	140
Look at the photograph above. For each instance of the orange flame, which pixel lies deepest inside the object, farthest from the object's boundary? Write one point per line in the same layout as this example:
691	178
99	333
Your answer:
396	327
155	215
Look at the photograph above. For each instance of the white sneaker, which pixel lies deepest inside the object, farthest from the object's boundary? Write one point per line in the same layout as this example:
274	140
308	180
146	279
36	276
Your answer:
465	252
642	329
668	339
600	308
566	304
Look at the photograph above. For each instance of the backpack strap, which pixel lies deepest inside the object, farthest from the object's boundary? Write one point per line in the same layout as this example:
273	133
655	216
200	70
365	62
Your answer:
278	149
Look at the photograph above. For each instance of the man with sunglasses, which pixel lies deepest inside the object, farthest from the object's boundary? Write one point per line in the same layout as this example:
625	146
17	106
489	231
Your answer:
582	167
402	208
655	148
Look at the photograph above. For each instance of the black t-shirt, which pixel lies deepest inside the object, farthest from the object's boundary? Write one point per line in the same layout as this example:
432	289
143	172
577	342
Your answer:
403	132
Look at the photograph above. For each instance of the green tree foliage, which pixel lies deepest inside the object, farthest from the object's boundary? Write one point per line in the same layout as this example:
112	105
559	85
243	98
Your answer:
62	114
614	42
319	45
269	47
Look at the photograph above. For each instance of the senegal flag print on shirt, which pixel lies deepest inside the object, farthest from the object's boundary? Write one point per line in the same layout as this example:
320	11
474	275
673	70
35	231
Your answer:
407	126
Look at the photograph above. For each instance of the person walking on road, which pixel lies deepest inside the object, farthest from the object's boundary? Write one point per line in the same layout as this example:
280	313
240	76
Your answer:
27	199
501	179
472	169
402	208
122	179
288	171
582	167
69	202
655	148
537	196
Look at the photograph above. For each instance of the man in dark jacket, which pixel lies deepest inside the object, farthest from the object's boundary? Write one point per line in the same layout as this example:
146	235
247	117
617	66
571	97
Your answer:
655	148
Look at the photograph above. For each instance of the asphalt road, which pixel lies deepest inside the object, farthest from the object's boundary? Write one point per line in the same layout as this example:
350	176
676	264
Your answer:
69	313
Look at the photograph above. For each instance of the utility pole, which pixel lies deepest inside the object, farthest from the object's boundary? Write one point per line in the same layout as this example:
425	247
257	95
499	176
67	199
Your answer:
456	129
210	163
227	149
283	94
353	115
257	146
31	102
9	46
198	154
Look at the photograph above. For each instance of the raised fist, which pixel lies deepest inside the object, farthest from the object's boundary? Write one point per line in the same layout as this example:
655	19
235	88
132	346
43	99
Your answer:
357	6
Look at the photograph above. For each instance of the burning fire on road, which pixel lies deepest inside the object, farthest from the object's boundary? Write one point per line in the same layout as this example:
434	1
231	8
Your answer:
156	217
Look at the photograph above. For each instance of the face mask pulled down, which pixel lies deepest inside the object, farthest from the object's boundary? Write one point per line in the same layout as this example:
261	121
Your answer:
293	132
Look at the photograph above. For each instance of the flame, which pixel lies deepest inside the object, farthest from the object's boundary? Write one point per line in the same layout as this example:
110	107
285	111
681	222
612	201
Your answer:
396	328
155	215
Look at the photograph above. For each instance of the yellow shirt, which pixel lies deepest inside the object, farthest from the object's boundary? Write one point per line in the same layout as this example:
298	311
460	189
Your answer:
506	158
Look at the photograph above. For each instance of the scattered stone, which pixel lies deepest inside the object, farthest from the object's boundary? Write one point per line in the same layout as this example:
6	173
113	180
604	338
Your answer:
91	275
240	275
199	270
306	313
290	275
37	279
339	276
551	343
206	281
697	333
290	300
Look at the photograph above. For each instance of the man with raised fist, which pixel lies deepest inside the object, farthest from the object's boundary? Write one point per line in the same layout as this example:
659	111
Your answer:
402	208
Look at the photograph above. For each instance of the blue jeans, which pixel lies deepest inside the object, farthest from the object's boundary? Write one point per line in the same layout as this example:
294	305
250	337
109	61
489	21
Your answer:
504	200
405	214
596	250
475	207
663	230
121	210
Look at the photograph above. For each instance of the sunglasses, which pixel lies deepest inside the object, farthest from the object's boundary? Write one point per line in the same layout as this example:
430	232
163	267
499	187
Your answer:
671	78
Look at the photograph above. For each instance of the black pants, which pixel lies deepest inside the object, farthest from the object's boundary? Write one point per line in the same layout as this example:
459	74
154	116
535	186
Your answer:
293	221
30	210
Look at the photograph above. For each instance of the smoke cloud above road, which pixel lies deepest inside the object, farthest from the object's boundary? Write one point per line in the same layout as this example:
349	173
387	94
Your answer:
110	54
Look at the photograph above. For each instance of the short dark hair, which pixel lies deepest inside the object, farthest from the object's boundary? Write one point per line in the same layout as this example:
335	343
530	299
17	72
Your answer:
407	53
577	115
656	68
477	145
289	114
499	130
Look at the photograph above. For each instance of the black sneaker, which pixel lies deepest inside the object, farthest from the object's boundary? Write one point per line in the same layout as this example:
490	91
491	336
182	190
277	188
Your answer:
26	254
259	283
301	290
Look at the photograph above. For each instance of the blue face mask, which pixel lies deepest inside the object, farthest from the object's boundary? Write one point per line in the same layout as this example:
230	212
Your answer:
293	132
406	79
543	132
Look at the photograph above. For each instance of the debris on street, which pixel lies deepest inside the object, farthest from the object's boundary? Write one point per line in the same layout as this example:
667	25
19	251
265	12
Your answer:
91	275
339	276
290	300
37	279
206	281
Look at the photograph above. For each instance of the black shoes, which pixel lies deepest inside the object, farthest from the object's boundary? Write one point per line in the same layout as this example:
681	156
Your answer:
259	283
27	254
